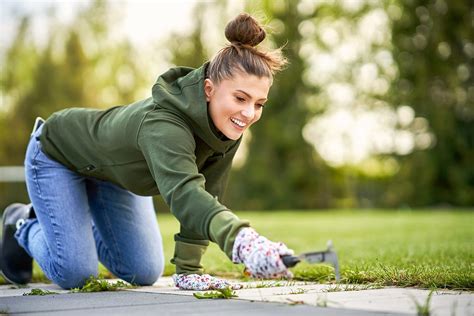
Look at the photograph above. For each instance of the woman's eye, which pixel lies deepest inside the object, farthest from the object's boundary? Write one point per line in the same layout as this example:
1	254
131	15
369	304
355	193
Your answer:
240	99
260	106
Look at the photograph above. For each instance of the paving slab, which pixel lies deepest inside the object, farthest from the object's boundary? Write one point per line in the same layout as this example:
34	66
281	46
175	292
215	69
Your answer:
13	290
343	296
140	303
256	298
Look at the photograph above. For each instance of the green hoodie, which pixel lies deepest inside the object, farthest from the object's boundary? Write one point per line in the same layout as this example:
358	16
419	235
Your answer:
167	145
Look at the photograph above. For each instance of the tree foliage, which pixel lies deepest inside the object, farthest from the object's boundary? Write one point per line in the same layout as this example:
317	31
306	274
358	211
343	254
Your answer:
432	45
280	171
78	65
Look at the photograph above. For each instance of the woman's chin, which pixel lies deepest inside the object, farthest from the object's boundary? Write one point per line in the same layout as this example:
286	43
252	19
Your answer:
233	135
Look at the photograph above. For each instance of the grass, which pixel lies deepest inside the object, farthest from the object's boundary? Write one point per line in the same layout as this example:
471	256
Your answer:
422	248
426	249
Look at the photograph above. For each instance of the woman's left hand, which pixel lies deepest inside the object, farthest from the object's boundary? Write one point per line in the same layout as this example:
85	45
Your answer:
202	282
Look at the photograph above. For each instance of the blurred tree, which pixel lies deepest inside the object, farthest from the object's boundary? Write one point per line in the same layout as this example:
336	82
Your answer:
434	51
77	66
188	50
280	171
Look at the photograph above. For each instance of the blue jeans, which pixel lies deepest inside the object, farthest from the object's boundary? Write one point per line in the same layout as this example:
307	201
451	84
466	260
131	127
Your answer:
81	221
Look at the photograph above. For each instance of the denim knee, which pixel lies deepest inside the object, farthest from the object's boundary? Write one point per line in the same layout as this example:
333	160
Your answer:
144	273
74	275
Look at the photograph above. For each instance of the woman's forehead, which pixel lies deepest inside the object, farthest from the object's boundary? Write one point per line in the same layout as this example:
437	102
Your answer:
248	83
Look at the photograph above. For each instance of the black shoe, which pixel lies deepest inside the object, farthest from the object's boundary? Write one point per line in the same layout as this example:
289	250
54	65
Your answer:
15	263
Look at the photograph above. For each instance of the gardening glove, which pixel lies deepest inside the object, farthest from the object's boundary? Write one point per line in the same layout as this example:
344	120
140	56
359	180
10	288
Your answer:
202	282
261	257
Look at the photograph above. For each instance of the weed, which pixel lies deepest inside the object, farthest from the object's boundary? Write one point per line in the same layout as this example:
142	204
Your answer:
39	292
95	285
264	284
225	293
293	302
298	291
294	291
321	301
349	287
423	309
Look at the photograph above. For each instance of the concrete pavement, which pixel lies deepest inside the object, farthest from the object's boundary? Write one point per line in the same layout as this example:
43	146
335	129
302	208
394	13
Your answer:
256	298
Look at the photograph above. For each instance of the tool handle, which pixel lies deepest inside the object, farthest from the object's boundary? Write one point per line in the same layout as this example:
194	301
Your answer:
290	261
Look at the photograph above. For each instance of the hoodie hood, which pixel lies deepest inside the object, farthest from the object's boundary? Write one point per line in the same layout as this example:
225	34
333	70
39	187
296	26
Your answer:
181	91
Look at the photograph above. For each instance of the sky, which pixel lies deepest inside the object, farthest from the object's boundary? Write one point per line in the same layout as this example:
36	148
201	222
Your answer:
167	15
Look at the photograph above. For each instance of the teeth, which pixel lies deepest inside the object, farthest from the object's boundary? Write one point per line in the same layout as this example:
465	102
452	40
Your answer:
236	121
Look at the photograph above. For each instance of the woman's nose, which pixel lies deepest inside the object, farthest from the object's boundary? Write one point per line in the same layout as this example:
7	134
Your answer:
249	112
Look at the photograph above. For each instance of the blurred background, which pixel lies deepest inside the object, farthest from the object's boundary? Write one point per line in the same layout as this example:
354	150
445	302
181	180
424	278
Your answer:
376	109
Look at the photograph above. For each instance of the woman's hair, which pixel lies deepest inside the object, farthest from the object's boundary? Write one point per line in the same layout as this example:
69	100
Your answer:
244	33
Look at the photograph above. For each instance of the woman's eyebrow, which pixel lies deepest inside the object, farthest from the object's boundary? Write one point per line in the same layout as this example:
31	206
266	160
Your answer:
248	95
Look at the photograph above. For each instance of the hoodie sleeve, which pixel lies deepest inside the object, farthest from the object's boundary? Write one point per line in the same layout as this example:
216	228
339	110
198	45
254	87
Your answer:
225	225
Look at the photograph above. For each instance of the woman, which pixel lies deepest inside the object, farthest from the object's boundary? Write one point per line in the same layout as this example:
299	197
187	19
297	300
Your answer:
90	174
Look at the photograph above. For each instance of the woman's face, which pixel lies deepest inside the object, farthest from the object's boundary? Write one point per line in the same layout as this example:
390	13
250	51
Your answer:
236	103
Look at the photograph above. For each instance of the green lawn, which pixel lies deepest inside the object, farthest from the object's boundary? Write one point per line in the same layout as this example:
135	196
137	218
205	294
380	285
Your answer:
402	248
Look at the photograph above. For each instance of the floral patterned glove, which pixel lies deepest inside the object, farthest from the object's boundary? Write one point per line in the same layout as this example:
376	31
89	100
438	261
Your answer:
260	255
202	282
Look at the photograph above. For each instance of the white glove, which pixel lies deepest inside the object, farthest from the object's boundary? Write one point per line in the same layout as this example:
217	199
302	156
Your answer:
202	282
261	257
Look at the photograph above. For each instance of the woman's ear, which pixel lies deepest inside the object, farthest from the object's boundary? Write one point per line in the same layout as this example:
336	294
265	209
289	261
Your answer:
208	89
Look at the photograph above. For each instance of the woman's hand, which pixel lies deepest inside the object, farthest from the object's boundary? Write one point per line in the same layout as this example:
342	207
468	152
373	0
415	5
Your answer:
261	257
202	282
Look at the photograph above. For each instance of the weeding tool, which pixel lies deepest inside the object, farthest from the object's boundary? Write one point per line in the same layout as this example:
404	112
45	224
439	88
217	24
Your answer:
329	255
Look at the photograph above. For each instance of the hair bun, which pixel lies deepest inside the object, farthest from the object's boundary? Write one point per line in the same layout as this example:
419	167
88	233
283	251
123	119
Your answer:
244	29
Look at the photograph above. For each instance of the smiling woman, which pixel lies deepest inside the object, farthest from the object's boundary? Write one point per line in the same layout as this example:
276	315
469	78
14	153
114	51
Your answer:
91	173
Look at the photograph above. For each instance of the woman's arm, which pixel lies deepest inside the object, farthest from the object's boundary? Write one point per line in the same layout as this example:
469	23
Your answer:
168	146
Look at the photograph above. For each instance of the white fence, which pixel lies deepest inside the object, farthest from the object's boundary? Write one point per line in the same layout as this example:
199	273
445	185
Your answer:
12	174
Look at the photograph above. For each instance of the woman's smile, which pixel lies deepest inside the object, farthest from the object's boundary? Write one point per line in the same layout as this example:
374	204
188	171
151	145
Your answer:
240	124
